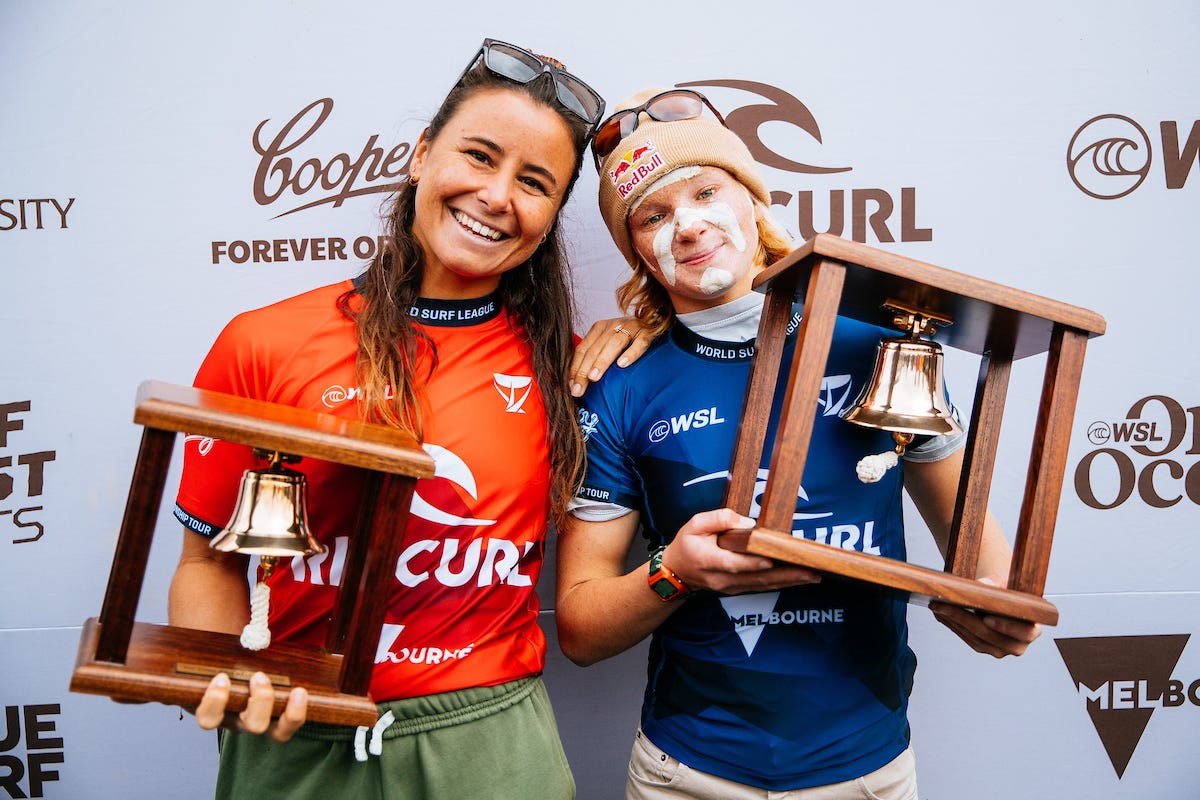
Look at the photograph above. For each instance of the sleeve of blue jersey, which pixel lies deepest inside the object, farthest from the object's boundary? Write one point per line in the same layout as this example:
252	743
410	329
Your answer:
606	412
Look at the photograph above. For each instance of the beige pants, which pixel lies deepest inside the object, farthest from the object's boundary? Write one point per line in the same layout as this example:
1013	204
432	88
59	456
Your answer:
654	775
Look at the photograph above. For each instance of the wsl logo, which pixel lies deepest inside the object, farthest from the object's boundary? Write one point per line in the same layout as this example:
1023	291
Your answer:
682	423
1122	681
1153	452
1111	155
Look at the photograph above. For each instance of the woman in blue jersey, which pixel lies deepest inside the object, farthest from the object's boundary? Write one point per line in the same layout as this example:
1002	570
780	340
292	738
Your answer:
762	678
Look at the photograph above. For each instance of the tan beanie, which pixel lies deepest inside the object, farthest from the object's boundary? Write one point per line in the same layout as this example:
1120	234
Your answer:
655	149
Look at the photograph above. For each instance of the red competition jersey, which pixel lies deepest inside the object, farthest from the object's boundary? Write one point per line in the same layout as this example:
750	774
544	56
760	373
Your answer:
463	611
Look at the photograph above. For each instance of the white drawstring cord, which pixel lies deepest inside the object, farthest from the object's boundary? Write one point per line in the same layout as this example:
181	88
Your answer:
376	747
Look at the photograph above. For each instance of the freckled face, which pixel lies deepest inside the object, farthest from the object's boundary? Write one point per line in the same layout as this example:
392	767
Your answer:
489	187
698	235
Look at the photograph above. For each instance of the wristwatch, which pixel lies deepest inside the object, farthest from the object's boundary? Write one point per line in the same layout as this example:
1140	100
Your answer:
665	583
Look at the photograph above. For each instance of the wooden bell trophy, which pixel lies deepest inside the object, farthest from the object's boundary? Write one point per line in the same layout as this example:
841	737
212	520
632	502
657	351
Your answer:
129	660
837	277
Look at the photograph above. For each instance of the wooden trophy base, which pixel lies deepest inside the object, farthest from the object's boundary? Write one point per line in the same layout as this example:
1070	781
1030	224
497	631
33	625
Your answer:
916	584
153	672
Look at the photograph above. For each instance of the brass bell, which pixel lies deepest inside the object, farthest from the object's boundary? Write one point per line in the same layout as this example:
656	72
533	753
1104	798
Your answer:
270	518
907	393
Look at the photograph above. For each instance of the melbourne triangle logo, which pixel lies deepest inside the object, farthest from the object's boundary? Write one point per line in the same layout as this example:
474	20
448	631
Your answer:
1123	679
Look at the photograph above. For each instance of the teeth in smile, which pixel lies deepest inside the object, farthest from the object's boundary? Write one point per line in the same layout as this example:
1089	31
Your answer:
477	226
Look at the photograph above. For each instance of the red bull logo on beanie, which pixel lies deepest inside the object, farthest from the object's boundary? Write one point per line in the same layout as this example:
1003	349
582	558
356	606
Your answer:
635	166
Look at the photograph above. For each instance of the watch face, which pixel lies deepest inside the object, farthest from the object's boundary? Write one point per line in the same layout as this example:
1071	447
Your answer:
664	588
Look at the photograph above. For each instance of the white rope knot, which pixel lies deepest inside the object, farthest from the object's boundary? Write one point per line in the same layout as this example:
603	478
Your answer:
376	747
256	635
871	468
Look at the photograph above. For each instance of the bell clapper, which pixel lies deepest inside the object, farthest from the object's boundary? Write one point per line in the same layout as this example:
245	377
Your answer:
256	635
871	468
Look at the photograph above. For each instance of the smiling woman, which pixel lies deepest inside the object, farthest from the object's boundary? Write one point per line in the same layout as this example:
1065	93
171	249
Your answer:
461	323
488	191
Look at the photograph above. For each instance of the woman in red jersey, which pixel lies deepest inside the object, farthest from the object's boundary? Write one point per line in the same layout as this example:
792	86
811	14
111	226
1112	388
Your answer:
460	333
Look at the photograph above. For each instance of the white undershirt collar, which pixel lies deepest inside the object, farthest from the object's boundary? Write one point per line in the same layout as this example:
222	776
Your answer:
735	321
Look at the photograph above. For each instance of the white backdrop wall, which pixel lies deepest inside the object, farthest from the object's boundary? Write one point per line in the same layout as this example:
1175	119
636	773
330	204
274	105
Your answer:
1052	147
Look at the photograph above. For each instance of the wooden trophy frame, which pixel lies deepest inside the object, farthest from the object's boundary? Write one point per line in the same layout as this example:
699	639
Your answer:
130	660
998	323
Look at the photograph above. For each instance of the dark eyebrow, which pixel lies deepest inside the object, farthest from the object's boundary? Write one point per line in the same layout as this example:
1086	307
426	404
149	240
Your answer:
483	141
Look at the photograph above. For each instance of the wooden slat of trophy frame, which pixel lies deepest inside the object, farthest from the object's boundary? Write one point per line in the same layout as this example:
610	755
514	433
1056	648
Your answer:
998	323
129	660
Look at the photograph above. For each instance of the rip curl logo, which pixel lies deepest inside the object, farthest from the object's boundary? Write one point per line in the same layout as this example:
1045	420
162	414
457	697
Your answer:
760	488
1121	681
777	106
448	466
589	423
514	389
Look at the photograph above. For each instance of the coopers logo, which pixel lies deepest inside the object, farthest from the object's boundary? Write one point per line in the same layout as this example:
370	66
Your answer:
294	175
1153	454
1111	155
335	177
875	214
1122	681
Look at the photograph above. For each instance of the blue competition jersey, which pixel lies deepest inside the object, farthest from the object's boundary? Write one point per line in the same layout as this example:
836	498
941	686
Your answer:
781	690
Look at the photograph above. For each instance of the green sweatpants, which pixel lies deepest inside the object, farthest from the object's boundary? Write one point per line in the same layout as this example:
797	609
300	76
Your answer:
493	743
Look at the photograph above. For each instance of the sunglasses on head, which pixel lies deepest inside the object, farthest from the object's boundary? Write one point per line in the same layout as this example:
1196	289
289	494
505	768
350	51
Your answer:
669	106
521	66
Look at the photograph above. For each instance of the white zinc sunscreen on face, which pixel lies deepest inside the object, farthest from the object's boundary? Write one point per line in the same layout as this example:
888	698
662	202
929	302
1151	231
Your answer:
719	215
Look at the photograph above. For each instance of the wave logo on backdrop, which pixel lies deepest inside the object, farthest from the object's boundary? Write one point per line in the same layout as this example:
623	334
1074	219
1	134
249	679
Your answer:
1111	155
1153	453
872	211
295	174
22	476
1122	681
